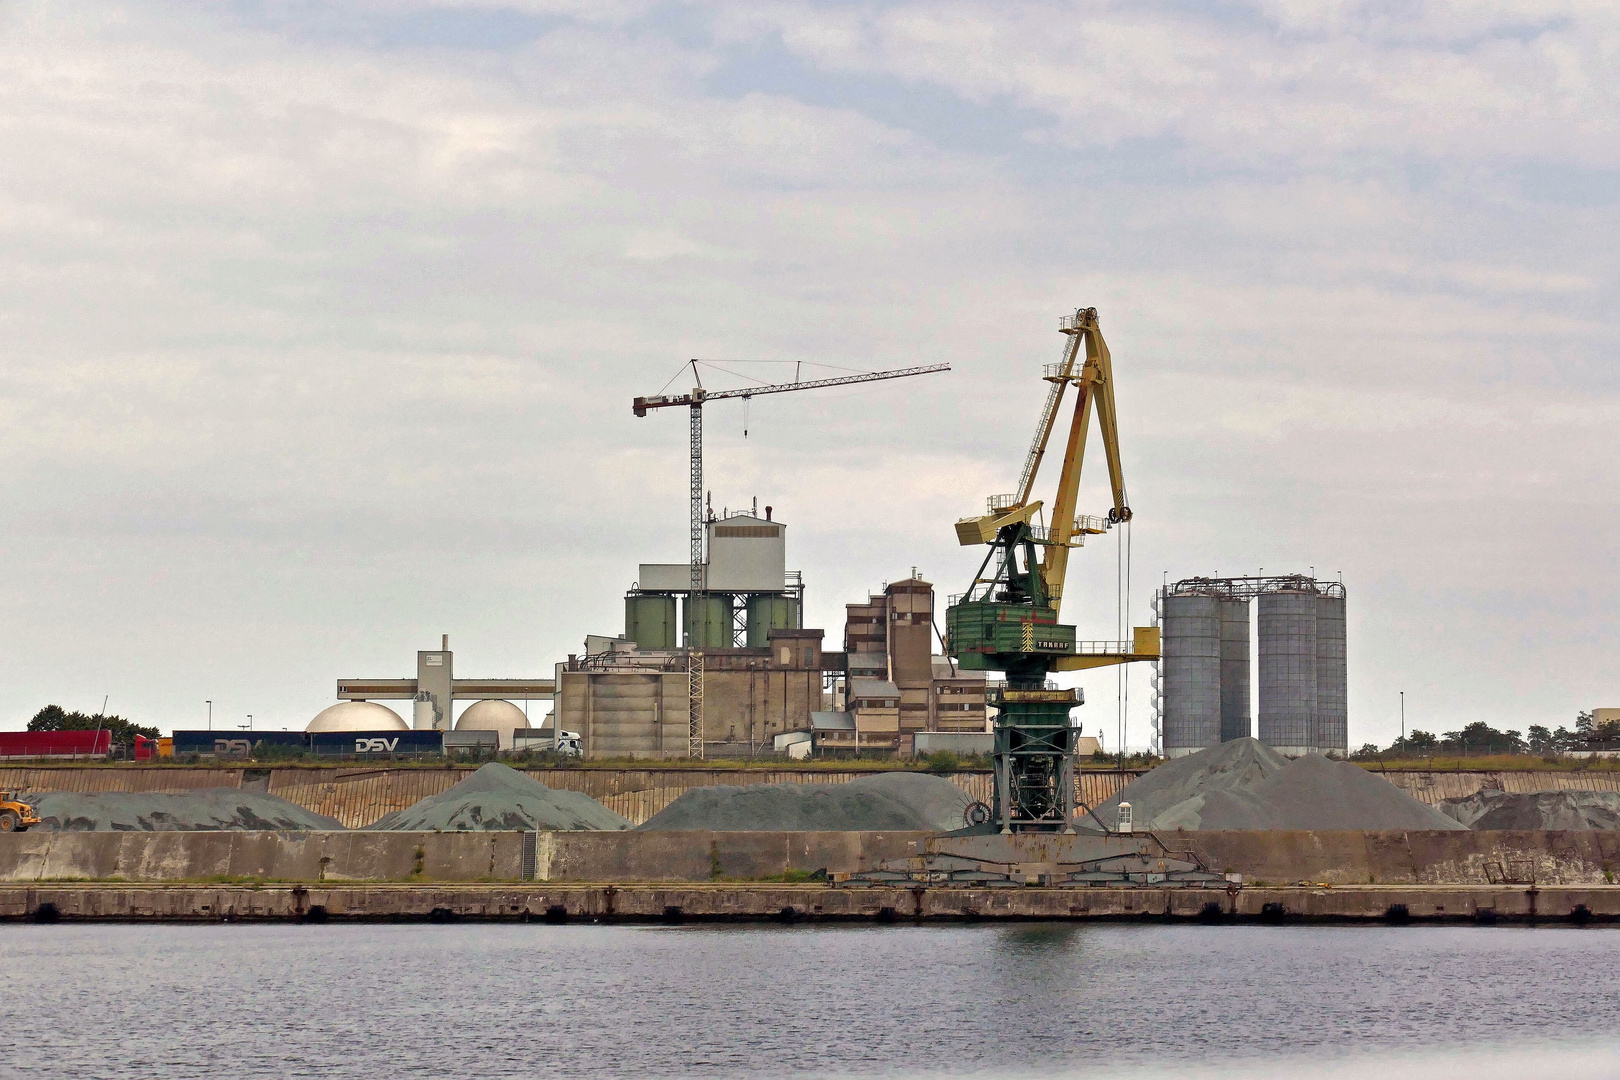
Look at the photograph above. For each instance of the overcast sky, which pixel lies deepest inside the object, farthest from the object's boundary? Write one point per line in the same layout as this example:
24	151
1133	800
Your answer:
319	323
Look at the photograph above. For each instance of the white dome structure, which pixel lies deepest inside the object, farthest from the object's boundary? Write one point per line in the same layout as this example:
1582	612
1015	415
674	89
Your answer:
501	717
357	716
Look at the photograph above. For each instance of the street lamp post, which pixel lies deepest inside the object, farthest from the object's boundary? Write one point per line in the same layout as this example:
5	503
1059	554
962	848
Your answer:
210	705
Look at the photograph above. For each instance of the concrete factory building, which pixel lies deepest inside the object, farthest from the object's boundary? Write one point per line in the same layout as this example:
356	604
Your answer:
896	687
1205	673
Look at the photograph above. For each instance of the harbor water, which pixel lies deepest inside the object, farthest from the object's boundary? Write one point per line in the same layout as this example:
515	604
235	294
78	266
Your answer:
531	1000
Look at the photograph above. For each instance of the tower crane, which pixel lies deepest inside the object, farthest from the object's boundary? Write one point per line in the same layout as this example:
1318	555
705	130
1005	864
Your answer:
1008	619
694	403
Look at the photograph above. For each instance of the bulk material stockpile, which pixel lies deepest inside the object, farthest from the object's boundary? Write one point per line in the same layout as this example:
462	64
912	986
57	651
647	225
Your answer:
499	797
1244	784
200	810
885	801
1575	811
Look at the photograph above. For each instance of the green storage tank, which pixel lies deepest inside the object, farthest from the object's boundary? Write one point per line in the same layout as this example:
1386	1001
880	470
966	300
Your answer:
650	622
712	621
767	612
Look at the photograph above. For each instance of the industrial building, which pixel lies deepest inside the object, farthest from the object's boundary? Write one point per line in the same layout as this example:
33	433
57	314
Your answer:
896	687
635	703
1204	679
493	718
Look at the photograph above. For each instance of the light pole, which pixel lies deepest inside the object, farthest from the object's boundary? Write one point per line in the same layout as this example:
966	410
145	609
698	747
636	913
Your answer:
210	705
1403	719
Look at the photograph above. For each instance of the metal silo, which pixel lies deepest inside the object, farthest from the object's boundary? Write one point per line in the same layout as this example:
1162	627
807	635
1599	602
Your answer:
1234	670
767	612
710	616
1332	712
1192	674
1288	671
649	621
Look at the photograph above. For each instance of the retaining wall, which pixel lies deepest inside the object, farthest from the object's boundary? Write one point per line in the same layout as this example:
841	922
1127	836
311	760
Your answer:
1339	858
790	903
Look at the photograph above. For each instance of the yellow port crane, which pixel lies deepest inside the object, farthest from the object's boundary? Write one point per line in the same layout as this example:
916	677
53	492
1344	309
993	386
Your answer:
1008	619
1094	389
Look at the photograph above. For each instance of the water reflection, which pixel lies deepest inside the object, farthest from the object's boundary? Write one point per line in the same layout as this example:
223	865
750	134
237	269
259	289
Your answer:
1095	1000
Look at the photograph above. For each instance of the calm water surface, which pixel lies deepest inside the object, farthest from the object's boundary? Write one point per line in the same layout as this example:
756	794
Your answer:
487	1001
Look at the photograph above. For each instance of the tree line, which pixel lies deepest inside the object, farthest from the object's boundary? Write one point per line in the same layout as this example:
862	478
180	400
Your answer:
56	718
1480	738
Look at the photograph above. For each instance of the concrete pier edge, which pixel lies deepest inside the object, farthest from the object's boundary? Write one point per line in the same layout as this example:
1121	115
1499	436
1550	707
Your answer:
790	903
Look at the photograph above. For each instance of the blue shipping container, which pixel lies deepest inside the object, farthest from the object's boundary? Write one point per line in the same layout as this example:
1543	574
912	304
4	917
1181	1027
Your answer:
375	743
235	743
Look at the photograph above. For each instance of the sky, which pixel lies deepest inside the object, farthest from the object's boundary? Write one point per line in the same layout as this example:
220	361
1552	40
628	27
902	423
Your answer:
320	322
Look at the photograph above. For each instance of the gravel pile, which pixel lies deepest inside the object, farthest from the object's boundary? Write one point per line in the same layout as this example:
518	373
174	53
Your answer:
1244	784
204	809
880	802
1175	795
1571	810
499	797
1316	792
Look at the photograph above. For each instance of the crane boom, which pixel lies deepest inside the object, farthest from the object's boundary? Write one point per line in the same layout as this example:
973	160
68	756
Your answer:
699	395
1095	387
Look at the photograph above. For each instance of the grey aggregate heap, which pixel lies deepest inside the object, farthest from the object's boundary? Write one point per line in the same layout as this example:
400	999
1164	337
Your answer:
882	801
199	810
1569	810
499	797
1244	784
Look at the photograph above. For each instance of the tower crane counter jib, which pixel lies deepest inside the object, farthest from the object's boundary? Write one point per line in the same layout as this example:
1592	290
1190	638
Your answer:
1008	619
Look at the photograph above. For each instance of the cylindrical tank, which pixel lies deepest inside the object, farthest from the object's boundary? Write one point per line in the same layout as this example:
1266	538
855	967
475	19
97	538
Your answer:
422	712
649	621
1288	672
767	612
1192	674
1234	670
1332	711
710	617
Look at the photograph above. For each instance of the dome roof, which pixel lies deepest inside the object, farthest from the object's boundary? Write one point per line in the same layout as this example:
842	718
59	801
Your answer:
501	717
491	716
357	716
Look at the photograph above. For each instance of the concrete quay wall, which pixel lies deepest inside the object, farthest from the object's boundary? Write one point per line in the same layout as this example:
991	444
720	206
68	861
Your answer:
1268	858
786	903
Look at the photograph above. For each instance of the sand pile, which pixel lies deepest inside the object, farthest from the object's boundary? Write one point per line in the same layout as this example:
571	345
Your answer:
1571	810
204	809
1244	784
884	801
499	797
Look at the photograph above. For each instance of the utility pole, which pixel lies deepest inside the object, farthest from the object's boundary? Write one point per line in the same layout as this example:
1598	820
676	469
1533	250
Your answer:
1403	719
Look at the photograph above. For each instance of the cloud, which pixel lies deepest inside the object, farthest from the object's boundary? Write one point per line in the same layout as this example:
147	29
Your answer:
320	327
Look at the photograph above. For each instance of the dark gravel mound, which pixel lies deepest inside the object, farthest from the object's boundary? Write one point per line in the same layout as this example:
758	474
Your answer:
1316	792
1178	791
1575	811
498	797
201	810
1244	784
884	801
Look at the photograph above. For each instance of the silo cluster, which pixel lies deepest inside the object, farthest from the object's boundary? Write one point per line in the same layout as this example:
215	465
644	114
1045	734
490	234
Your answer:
1205	683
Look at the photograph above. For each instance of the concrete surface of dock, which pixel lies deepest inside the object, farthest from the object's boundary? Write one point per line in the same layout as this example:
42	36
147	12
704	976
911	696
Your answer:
798	902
